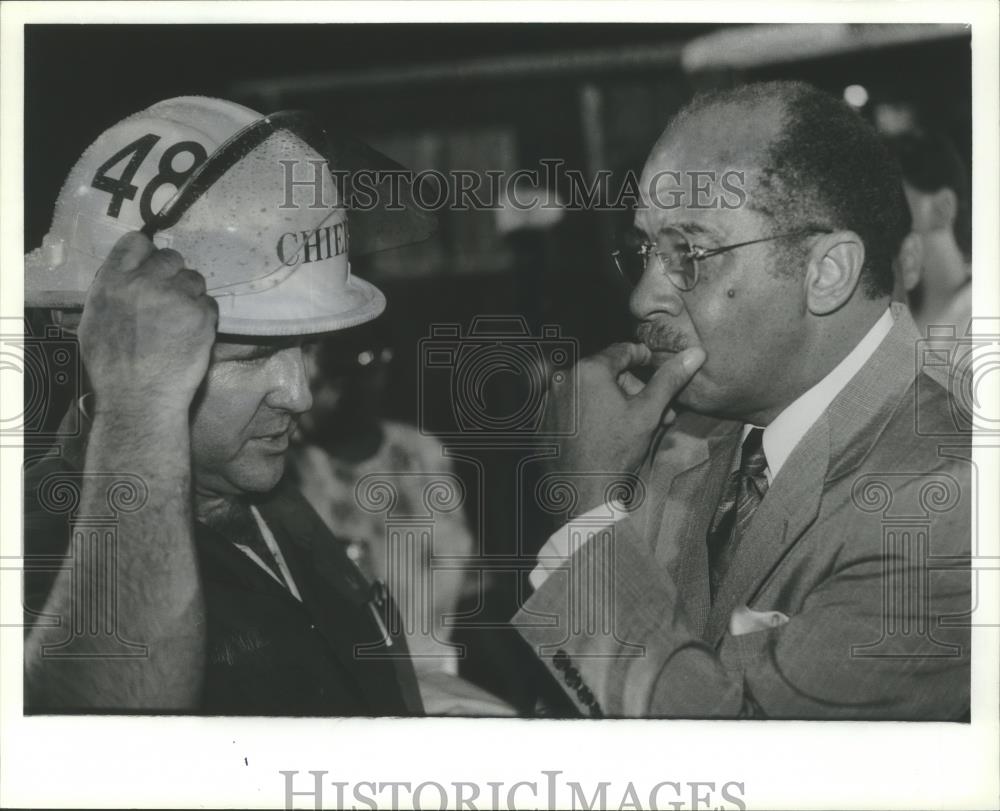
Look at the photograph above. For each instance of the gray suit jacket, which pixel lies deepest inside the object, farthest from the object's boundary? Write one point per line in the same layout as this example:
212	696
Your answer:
862	542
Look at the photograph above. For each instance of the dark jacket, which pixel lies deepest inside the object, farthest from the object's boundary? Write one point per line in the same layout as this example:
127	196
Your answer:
267	653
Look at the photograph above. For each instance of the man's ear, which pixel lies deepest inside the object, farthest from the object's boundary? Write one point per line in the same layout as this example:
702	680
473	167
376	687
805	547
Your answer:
833	271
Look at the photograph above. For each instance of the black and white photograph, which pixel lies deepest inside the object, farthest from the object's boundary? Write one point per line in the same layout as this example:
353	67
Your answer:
581	409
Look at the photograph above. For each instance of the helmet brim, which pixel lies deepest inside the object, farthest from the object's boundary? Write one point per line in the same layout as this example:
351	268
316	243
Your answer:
370	304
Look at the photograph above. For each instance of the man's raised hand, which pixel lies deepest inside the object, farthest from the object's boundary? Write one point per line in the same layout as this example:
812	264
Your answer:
147	328
616	413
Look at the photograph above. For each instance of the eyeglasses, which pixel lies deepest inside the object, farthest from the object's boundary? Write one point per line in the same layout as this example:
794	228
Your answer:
679	258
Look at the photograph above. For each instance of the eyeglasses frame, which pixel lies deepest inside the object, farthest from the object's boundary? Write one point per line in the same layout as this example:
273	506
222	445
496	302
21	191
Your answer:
696	254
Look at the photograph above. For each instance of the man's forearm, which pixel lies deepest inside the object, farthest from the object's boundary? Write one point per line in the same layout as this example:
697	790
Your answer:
156	590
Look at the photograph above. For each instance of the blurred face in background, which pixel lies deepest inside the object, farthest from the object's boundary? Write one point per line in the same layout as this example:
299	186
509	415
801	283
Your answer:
348	383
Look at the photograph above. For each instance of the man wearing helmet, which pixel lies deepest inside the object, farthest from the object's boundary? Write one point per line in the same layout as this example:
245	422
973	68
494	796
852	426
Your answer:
218	590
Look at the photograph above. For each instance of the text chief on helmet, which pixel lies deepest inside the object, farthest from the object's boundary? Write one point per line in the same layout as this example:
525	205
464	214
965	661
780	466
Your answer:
204	242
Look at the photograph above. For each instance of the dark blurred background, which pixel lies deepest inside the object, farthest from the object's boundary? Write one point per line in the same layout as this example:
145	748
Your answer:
481	97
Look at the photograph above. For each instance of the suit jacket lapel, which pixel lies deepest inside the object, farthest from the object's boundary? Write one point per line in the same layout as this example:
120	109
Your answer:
859	414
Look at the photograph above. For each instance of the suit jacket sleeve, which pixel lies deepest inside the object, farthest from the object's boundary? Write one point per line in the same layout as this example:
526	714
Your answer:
610	625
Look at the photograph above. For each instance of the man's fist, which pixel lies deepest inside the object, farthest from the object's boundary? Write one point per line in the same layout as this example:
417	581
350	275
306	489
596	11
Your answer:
147	328
617	414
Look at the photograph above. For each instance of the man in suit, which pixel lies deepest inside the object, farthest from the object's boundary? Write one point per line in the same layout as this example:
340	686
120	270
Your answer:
169	570
796	544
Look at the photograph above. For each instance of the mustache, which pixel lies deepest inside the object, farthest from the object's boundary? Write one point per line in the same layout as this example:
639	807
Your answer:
661	337
277	425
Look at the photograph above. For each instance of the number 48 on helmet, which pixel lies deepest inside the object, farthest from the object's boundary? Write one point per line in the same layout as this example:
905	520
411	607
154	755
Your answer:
248	200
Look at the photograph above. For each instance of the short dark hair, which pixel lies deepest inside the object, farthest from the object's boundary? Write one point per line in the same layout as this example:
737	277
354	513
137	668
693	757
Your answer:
827	168
930	162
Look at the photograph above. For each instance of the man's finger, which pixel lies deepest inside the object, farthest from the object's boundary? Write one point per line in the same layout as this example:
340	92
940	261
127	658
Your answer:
622	356
165	262
673	375
191	281
128	253
630	384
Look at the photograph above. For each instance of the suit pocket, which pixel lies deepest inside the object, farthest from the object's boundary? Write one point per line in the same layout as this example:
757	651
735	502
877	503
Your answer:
738	653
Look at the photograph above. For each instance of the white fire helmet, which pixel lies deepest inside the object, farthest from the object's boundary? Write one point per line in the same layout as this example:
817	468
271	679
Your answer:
248	200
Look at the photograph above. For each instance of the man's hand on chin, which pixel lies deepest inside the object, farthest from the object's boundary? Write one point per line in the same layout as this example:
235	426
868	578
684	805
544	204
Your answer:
616	413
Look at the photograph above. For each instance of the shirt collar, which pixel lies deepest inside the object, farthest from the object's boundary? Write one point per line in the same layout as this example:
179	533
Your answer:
785	431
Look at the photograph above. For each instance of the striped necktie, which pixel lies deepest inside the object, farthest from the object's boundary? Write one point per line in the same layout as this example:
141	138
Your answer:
744	490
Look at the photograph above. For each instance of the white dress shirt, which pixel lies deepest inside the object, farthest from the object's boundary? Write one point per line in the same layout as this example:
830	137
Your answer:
779	440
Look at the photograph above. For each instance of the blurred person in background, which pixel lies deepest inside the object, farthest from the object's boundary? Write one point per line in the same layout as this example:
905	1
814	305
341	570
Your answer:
345	439
937	266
